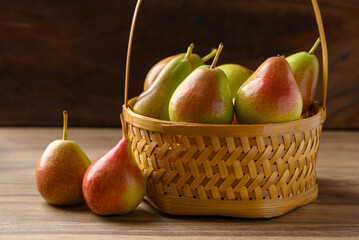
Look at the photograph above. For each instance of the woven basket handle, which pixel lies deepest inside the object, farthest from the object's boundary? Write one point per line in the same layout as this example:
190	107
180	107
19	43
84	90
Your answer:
318	18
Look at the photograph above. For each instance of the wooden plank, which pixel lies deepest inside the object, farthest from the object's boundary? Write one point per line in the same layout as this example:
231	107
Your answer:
71	55
24	214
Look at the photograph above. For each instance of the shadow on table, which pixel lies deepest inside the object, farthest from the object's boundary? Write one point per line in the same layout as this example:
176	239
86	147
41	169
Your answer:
82	207
140	216
338	192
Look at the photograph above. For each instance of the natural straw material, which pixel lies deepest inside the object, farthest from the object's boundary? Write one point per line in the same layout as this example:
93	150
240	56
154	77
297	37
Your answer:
255	171
232	170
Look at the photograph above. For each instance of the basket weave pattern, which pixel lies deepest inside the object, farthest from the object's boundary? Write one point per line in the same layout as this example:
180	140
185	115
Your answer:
227	168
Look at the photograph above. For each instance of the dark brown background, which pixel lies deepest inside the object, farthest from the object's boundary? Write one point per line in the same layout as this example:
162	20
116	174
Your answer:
57	55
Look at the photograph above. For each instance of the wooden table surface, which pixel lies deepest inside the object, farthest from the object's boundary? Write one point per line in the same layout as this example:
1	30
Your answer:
25	215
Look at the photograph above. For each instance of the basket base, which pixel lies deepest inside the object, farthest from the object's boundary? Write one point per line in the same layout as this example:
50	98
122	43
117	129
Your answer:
246	209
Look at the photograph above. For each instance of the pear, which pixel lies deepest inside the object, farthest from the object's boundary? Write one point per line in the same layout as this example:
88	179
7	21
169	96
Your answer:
114	184
305	67
236	75
269	95
195	60
203	97
60	170
154	101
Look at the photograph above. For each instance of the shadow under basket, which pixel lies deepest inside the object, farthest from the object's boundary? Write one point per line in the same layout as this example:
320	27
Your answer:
252	171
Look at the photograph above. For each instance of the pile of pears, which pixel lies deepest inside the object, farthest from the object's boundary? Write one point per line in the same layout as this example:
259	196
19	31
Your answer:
113	184
181	88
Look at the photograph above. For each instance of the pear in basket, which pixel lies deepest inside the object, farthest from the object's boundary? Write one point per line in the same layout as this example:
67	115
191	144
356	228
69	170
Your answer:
203	97
237	75
305	67
154	101
270	95
195	60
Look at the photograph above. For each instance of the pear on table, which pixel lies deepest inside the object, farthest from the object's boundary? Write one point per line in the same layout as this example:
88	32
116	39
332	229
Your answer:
194	59
154	101
305	67
203	97
114	184
270	95
236	75
60	170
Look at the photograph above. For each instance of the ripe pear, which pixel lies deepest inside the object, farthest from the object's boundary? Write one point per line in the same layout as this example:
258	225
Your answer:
154	101
195	60
203	97
305	67
236	75
114	184
269	95
60	171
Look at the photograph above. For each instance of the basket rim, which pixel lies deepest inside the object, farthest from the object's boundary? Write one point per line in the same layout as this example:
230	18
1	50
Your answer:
223	130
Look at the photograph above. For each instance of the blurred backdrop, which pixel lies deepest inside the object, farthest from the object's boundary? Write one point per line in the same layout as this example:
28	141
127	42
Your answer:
57	55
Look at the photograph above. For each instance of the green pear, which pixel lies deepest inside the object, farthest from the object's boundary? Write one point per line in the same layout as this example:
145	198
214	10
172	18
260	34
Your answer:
60	171
305	67
203	97
236	75
154	101
270	94
195	60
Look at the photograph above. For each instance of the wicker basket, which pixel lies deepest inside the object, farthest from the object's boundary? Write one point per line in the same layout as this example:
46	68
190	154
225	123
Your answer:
254	171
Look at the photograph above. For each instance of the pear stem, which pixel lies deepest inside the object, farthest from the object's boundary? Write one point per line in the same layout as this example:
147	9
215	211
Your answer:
316	44
189	50
123	127
220	47
209	55
64	133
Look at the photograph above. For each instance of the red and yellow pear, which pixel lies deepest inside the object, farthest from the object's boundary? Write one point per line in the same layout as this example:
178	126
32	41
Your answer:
114	184
203	97
270	95
60	171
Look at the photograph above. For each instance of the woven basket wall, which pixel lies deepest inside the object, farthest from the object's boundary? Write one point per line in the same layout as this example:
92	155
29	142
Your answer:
189	171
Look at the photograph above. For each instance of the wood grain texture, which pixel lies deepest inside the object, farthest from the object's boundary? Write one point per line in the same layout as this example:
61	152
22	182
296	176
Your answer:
25	215
71	54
